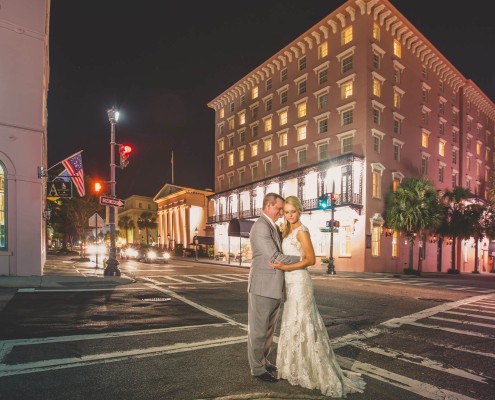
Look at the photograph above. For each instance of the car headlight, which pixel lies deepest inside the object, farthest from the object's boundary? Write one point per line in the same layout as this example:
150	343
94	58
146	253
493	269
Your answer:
166	256
102	249
91	249
151	254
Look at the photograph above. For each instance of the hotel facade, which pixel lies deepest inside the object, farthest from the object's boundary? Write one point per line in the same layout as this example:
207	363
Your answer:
353	106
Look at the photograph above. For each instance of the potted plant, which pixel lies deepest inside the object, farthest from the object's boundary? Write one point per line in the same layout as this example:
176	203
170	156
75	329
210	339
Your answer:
325	261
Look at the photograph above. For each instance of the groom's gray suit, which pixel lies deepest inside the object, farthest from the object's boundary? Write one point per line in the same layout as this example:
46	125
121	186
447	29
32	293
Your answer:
265	288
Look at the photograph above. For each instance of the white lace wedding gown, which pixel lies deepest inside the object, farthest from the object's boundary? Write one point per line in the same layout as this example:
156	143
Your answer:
304	353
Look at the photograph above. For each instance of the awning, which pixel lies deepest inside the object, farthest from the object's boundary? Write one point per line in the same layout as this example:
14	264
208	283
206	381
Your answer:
206	240
240	227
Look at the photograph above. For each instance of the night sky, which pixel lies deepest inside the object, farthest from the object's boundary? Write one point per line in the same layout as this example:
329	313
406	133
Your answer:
161	65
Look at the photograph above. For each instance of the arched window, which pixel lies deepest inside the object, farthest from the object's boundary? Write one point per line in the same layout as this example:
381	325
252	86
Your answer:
3	207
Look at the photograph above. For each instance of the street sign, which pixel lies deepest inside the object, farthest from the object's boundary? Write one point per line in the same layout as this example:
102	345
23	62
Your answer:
95	221
328	230
59	188
111	201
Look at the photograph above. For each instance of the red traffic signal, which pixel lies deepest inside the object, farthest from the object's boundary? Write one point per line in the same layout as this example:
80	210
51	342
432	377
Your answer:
125	150
98	187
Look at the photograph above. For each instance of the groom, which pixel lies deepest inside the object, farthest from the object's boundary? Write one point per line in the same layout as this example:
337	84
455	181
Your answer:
265	287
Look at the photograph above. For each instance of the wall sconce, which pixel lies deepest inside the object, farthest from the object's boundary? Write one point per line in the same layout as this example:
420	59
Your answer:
448	241
433	239
388	231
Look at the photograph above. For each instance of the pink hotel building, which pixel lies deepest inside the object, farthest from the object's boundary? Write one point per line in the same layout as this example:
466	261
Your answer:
354	105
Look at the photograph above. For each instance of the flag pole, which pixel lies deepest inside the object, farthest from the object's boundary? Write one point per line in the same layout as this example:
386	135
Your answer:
60	162
172	162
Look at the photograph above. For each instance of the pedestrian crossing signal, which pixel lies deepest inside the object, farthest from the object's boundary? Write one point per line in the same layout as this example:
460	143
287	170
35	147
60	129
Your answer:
323	202
125	150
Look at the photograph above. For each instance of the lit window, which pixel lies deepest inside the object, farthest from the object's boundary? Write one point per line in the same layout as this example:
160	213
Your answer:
376	31
301	132
397	48
254	93
267	145
242	118
301	109
222	112
322	50
424	139
395	244
376	191
221	145
254	149
347	35
397	98
346	89
478	148
282	118
268	124
241	154
282	139
377	87
441	148
230	159
375	241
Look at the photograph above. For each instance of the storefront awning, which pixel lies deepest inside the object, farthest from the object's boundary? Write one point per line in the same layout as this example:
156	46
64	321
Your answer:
240	227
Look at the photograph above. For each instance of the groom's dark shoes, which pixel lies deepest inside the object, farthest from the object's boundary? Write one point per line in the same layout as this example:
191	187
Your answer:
266	377
271	368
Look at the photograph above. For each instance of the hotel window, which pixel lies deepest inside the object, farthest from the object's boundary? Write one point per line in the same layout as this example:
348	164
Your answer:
441	127
397	98
425	135
478	148
323	125
254	130
231	123
375	240
468	183
242	118
454	135
376	61
441	147
220	184
441	86
268	84
376	112
301	109
231	141
455	116
397	152
222	112
267	144
377	87
283	75
478	169
395	244
301	157
302	63
346	90
397	75
243	100
268	124
377	144
322	151
322	50
254	112
268	104
254	149
424	72
230	158
254	93
441	107
282	139
242	153
284	96
376	31
301	87
232	107
345	143
282	117
425	93
220	129
424	164
322	101
397	125
3	206
454	156
346	35
487	153
301	132
425	116
283	162
221	145
242	177
347	117
231	181
395	184
377	171
397	48
254	172
268	168
323	76
221	163
468	142
469	123
468	162
454	180
441	172
346	64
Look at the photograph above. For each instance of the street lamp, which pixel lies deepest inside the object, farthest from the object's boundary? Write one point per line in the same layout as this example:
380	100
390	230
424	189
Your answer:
196	243
169	247
112	268
331	265
159	239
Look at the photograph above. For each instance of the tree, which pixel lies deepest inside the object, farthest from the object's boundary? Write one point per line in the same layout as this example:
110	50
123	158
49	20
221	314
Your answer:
413	209
147	221
126	223
456	222
479	219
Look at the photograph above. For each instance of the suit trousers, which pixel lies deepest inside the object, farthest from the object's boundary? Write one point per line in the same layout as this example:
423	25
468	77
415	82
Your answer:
263	314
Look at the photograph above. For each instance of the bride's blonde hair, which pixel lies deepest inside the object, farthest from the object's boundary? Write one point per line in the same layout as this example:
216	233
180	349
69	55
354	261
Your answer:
296	203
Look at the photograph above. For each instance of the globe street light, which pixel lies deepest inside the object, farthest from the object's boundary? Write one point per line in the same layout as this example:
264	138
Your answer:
112	268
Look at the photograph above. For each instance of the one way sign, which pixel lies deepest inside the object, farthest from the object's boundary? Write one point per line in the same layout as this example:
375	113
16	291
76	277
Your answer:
111	201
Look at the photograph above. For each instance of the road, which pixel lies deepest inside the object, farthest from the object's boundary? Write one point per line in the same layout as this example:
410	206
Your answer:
179	332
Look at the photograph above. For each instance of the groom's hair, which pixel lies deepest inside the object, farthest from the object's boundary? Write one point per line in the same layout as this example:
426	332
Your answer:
271	198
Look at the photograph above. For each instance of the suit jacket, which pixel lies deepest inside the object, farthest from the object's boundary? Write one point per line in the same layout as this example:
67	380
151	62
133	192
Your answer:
266	244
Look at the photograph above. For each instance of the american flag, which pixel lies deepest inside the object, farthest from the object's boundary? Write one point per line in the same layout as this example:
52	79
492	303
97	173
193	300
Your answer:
74	166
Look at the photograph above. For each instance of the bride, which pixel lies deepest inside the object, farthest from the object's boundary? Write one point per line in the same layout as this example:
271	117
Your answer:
304	354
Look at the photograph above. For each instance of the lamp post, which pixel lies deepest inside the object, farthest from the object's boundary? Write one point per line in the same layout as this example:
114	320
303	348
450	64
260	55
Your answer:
159	245
196	243
331	265
168	243
112	268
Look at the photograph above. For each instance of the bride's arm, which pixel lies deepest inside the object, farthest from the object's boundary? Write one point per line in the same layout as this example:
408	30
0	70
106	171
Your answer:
308	258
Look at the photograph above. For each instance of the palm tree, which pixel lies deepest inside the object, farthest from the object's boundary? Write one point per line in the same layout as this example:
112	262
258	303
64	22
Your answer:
147	221
456	222
479	221
126	223
413	209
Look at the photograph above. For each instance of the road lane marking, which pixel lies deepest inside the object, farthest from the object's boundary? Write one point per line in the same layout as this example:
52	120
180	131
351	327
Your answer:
463	322
469	315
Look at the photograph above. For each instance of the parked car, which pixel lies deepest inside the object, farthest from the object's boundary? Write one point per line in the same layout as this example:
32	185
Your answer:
130	252
152	254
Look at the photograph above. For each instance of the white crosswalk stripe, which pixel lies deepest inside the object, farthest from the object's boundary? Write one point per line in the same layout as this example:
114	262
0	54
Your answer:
199	279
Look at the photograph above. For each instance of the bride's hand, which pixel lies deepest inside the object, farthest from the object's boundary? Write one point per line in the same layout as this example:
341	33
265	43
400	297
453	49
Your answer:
277	265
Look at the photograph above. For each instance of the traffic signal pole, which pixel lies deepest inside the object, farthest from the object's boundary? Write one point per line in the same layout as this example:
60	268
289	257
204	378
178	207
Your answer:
331	265
112	268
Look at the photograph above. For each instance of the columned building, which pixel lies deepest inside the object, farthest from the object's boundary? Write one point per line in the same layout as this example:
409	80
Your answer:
24	78
181	212
352	106
135	205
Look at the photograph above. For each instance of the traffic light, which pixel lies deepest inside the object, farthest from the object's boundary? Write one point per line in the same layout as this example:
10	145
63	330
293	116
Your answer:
323	202
98	187
336	224
333	200
124	150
